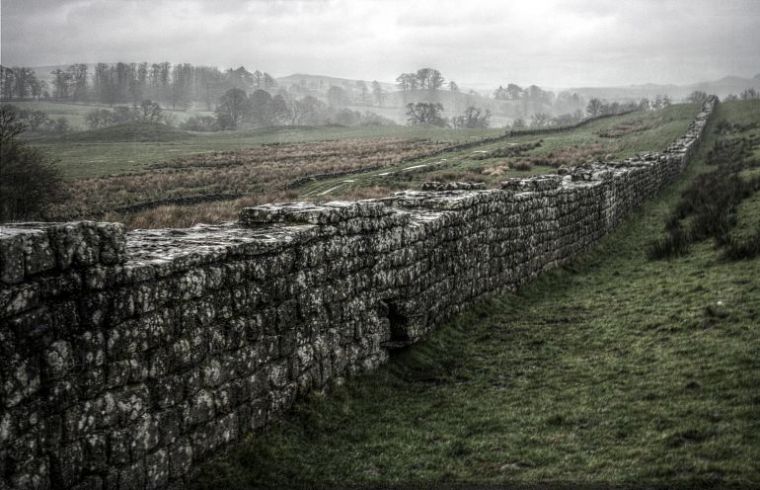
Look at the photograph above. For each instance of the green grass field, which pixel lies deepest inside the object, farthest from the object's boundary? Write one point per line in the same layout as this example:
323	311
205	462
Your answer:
80	159
615	369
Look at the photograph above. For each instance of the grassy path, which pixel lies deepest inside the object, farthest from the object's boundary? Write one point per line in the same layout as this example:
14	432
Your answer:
616	369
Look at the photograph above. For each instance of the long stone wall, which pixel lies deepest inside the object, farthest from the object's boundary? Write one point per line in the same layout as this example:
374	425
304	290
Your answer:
128	358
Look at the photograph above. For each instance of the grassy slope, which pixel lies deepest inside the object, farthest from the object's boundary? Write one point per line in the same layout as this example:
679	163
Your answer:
80	158
665	125
616	369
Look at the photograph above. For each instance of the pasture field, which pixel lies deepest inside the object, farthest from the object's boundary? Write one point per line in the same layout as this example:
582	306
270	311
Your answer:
171	178
77	112
616	369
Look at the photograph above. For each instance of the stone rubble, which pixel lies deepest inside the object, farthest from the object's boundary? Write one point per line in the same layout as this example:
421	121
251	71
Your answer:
128	358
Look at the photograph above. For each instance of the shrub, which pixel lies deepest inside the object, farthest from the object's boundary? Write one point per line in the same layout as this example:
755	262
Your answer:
744	249
520	165
29	182
675	244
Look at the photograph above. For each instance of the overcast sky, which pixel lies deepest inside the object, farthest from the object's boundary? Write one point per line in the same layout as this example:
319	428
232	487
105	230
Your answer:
478	43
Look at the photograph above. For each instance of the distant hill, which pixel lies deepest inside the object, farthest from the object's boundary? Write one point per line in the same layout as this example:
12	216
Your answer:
721	88
322	83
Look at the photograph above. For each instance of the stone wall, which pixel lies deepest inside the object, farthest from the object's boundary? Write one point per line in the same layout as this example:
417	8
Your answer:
128	358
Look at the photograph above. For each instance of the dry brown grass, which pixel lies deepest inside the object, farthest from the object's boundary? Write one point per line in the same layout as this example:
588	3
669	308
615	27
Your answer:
183	216
261	174
572	155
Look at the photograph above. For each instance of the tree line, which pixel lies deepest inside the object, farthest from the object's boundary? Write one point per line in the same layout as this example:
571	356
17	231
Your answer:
236	108
178	86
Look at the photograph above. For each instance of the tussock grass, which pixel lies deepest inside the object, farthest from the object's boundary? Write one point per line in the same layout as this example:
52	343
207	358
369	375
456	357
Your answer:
615	369
709	207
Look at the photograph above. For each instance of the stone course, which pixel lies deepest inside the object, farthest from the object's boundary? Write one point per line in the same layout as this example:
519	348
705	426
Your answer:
127	358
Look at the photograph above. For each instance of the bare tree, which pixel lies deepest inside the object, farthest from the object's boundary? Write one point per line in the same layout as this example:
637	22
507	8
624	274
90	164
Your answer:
233	108
425	113
594	107
28	180
377	93
473	118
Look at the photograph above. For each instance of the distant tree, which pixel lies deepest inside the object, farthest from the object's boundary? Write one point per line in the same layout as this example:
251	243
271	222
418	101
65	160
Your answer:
29	181
403	82
749	94
594	107
565	119
731	97
337	97
643	104
697	97
425	113
453	87
514	92
58	126
422	77
280	110
36	120
121	78
473	118
268	82
181	84
429	78
500	93
539	120
99	118
518	124
312	111
240	78
61	83
233	108
78	78
408	81
536	95
346	117
151	111
7	81
377	93
261	108
258	79
435	80
361	86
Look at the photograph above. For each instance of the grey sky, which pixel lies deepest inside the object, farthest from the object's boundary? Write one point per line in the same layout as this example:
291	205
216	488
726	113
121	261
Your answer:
478	43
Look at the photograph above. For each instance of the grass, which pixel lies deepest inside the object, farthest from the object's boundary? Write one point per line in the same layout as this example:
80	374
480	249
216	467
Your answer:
152	171
260	173
615	369
566	148
711	206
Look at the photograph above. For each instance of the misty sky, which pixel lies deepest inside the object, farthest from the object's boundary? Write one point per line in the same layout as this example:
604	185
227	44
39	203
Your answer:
478	43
